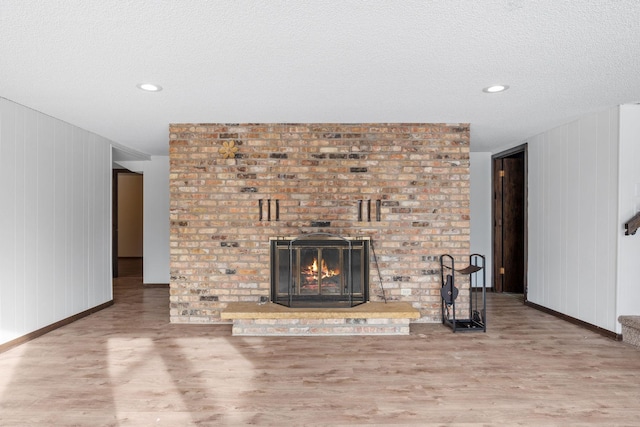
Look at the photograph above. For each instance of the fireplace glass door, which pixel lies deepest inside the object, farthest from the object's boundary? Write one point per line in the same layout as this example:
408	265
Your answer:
317	271
320	271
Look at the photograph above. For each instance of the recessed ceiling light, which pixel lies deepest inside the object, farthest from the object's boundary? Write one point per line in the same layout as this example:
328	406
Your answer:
495	88
149	87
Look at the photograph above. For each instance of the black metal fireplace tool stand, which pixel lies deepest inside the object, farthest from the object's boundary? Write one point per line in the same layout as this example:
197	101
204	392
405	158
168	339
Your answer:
458	318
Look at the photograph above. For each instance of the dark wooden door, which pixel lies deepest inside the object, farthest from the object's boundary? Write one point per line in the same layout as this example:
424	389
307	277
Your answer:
513	204
497	225
509	223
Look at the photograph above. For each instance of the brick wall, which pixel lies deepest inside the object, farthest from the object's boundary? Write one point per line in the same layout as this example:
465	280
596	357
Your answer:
318	173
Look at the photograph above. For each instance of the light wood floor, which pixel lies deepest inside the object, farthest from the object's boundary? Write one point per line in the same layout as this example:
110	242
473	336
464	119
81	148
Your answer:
127	366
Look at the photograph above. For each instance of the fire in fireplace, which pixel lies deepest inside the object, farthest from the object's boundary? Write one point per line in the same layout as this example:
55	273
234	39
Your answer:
319	270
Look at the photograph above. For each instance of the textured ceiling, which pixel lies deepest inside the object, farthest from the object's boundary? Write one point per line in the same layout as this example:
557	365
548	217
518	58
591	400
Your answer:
319	61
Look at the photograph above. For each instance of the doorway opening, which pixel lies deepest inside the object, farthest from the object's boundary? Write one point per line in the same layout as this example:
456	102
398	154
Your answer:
510	221
127	223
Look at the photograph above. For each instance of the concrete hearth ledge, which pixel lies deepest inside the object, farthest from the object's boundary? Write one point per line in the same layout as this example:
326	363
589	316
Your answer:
630	329
370	310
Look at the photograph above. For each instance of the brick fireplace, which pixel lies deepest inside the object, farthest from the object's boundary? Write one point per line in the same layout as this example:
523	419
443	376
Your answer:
234	186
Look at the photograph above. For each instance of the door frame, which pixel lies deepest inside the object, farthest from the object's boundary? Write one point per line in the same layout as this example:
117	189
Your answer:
523	148
114	220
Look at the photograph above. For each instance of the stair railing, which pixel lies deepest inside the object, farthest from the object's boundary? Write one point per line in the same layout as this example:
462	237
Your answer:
632	225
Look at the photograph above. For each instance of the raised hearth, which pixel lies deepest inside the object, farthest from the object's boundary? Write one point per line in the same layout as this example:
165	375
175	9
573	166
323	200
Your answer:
373	318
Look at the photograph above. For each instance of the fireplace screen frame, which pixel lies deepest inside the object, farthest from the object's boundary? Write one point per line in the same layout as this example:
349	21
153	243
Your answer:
286	277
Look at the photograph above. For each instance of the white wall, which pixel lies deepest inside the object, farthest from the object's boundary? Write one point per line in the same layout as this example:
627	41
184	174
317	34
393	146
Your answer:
573	219
156	217
55	233
480	181
629	203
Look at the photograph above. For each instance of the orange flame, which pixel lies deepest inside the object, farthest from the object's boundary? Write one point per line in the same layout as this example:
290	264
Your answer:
325	271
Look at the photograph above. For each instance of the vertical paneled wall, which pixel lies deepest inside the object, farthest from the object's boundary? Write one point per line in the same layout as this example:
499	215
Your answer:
629	205
573	175
54	221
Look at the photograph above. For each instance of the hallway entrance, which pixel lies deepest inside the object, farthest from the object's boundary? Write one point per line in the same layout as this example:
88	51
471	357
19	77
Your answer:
127	218
510	220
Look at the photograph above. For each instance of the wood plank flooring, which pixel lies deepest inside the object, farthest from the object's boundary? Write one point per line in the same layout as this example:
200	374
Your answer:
127	366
